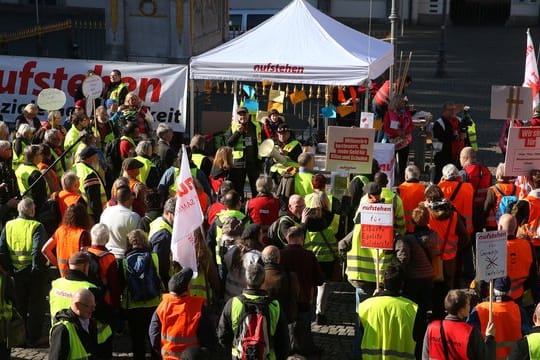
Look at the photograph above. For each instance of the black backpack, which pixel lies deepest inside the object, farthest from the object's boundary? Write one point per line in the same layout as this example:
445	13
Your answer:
94	273
113	157
141	276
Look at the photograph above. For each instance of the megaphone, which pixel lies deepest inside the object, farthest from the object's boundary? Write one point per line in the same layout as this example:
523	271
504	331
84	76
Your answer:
268	149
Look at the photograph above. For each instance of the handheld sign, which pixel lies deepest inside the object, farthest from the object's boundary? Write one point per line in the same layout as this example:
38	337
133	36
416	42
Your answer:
51	99
377	226
366	120
349	149
522	152
92	86
490	255
511	102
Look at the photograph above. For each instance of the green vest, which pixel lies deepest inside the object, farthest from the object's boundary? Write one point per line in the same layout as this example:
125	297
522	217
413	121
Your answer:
197	159
115	94
388	324
237	308
199	287
145	170
471	132
17	159
391	197
315	241
127	303
23	173
71	136
238	150
76	348
534	345
220	217
19	234
302	183
62	292
157	225
58	167
83	171
172	188
281	168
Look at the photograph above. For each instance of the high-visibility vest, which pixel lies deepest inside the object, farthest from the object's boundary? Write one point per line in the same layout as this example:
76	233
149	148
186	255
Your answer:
172	187
62	292
388	324
19	234
68	242
59	167
237	310
519	258
507	321
238	150
457	334
471	133
508	189
197	159
115	94
220	218
381	97
199	287
71	136
76	347
479	177
179	317
83	171
145	170
66	199
128	303
302	183
442	228
317	241
411	194
531	229
533	340
157	225
280	168
463	200
105	259
23	173
17	159
391	197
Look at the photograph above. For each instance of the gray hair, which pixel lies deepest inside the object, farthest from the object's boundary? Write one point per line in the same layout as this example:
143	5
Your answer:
499	173
24	129
449	171
254	276
144	148
264	184
412	172
170	205
26	207
162	130
304	158
52	115
100	234
4	144
69	179
270	255
50	135
30	153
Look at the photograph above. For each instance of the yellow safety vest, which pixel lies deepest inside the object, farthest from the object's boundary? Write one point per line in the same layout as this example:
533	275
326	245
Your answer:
76	348
71	136
157	225
23	173
199	287
58	167
197	159
19	234
533	340
172	188
83	171
238	150
302	183
281	168
391	197
315	241
471	132
115	94
17	159
145	170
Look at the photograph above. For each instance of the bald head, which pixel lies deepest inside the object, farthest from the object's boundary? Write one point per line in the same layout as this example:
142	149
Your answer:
508	222
296	205
536	315
270	255
83	303
467	156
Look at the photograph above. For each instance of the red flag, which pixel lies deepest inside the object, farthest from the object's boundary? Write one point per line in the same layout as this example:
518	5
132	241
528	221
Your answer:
531	71
188	217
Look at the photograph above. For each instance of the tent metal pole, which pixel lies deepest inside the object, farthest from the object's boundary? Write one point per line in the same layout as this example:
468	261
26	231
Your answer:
393	18
191	108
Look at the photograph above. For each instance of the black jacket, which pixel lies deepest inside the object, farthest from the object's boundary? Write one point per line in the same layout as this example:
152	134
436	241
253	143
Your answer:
59	340
521	350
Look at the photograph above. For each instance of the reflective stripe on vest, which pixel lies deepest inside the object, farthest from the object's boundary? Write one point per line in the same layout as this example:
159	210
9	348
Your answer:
157	225
144	171
62	292
23	173
507	321
19	233
238	150
198	286
531	229
457	334
83	171
302	183
533	340
388	324
76	347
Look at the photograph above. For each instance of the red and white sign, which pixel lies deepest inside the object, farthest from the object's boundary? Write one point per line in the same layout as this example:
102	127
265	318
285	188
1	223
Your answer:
531	71
188	217
377	226
523	150
349	149
163	87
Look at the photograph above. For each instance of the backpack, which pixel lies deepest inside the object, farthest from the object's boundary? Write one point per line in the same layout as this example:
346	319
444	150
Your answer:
49	214
273	232
142	279
113	157
94	270
254	328
507	202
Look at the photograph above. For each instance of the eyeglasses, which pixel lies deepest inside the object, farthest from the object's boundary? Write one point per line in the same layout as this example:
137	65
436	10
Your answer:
87	306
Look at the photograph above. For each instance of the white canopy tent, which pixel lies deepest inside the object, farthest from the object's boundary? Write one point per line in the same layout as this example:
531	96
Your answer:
299	44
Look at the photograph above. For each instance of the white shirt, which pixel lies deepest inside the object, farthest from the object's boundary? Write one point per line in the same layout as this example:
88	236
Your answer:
121	221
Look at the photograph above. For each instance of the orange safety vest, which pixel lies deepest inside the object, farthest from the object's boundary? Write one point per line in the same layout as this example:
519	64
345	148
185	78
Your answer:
342	99
68	242
519	258
507	189
446	229
105	259
411	193
457	334
463	199
382	95
507	321
66	199
530	229
179	317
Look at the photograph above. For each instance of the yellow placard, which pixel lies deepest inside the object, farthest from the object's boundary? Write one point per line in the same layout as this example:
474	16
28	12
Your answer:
344	110
261	115
275	105
298	96
276	96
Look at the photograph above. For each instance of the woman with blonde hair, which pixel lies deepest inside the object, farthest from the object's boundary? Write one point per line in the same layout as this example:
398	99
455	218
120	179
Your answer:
28	116
223	163
136	112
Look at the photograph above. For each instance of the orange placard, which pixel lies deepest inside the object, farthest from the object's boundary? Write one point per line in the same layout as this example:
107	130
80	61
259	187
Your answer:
275	105
344	110
298	96
377	237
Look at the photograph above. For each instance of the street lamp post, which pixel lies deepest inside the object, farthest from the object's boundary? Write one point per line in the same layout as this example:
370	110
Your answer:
393	19
441	61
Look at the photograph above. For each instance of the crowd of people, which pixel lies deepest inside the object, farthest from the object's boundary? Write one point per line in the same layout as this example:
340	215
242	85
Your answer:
87	208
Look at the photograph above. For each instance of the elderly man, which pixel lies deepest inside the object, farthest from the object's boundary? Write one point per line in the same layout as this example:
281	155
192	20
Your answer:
160	236
232	330
70	194
28	174
296	215
74	334
411	192
148	173
165	151
20	253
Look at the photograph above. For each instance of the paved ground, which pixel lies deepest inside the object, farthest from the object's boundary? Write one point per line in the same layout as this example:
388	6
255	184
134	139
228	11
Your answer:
477	57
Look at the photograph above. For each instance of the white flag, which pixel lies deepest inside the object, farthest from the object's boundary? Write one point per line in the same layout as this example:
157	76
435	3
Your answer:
188	217
531	71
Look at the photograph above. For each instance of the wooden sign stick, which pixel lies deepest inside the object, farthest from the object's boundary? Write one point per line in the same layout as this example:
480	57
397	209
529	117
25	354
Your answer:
377	272
491	300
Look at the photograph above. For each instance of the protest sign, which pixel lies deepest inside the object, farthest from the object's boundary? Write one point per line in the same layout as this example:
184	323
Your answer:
377	226
349	149
522	152
490	255
92	86
51	99
385	155
366	120
511	102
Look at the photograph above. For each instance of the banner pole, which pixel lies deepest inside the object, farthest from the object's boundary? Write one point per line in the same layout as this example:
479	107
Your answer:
490	300
377	272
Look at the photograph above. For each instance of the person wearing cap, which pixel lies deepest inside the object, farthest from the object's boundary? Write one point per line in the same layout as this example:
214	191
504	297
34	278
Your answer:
20	256
528	347
181	320
111	105
160	235
79	122
91	184
510	319
504	186
289	147
244	136
29	177
131	169
63	290
271	124
453	338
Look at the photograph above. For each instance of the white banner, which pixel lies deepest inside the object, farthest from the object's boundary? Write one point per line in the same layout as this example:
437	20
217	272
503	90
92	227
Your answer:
163	87
188	216
490	255
385	156
532	79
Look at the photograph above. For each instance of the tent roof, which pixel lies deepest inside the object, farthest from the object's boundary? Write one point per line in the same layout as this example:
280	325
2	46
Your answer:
299	44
